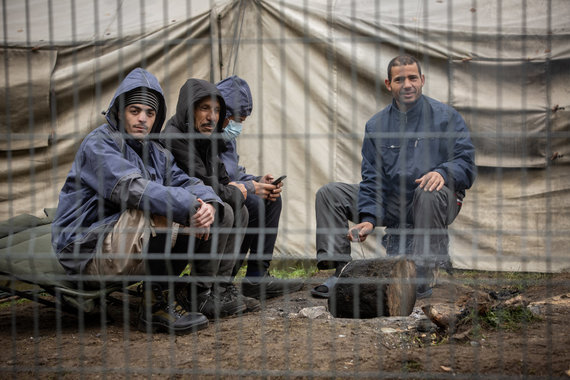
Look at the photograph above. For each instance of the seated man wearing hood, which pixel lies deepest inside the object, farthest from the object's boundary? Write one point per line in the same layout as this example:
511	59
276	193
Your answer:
263	200
127	212
193	137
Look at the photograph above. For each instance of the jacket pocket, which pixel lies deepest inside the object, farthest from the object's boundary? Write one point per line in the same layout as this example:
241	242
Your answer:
390	154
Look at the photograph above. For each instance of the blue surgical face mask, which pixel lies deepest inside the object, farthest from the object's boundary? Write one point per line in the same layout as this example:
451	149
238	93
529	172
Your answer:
232	130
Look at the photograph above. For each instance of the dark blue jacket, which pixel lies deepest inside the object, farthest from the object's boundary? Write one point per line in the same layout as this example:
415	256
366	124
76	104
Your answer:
230	158
109	175
239	102
399	148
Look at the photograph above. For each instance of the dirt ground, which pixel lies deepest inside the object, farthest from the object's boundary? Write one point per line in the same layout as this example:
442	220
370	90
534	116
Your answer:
280	342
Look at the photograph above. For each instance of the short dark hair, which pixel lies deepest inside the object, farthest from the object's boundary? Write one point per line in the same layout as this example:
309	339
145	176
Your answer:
403	60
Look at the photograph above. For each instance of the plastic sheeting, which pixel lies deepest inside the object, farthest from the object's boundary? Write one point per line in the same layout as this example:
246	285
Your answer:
316	70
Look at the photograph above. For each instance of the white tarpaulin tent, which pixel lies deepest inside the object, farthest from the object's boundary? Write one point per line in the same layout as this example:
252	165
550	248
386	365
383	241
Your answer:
316	70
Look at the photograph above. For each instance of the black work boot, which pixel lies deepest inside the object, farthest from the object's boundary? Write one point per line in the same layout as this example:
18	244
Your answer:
158	313
213	303
267	286
232	292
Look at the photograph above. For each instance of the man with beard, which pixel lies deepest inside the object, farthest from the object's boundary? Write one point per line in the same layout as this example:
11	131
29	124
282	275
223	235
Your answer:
417	162
193	137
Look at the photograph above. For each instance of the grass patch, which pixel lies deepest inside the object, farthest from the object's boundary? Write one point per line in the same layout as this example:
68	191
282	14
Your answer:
296	270
293	271
411	366
508	319
8	303
514	281
521	281
186	271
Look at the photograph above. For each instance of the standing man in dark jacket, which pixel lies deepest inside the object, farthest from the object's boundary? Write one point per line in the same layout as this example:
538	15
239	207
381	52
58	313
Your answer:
193	137
125	205
263	200
417	162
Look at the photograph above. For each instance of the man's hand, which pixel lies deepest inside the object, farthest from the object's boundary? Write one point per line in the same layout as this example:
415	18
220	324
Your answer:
360	231
203	219
431	181
241	188
268	178
264	189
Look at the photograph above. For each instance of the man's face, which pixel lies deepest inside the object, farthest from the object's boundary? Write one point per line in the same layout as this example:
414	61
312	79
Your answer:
139	120
406	84
206	115
237	119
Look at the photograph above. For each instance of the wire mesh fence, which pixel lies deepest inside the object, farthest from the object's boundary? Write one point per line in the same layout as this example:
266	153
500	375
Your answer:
420	231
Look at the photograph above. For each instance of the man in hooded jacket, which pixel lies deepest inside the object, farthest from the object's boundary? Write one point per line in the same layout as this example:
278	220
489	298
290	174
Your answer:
193	137
263	200
125	205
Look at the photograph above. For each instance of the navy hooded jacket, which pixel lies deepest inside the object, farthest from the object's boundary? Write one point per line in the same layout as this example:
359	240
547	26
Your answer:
400	147
111	173
237	94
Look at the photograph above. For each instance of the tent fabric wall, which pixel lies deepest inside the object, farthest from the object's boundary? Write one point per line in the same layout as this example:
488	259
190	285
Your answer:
75	75
316	70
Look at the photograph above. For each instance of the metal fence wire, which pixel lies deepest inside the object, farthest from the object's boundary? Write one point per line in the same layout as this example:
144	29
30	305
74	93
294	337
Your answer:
421	228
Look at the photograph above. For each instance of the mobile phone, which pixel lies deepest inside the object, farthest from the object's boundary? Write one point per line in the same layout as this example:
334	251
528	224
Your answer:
278	180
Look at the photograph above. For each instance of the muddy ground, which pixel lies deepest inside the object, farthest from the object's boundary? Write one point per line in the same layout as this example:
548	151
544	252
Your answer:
280	342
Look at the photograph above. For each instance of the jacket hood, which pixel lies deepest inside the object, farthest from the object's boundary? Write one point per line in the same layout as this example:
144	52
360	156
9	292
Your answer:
237	95
191	93
137	78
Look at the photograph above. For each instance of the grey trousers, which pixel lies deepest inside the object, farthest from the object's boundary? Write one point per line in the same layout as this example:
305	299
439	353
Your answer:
336	203
430	213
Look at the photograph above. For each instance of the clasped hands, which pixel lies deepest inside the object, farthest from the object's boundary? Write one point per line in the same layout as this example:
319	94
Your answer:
202	220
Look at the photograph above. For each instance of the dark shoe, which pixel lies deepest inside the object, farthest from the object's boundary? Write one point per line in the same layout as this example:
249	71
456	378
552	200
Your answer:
325	289
427	277
158	313
251	304
446	265
423	291
212	304
268	287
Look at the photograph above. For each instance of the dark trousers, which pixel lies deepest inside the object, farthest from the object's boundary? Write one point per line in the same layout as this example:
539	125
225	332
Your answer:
260	235
166	263
212	260
423	234
230	243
